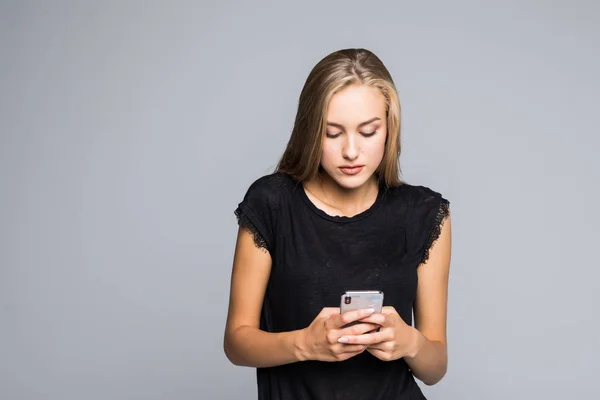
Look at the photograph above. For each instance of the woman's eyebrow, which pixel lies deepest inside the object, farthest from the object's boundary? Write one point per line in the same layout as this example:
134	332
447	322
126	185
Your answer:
359	125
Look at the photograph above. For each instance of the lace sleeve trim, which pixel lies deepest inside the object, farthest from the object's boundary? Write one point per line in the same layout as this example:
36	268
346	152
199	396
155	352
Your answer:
434	234
245	222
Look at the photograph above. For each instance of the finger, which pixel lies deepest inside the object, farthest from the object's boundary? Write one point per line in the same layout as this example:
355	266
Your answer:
382	355
387	320
377	319
352	316
358	329
366	339
350	348
383	346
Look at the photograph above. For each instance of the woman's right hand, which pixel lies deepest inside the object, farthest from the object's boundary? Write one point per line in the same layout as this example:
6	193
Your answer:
319	341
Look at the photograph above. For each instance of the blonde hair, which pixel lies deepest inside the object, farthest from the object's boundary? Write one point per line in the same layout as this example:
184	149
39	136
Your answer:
338	70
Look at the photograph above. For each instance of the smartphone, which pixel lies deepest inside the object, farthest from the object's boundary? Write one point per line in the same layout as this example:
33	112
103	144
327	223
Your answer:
358	299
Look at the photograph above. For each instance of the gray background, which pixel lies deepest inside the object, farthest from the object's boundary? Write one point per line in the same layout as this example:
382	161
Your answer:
131	130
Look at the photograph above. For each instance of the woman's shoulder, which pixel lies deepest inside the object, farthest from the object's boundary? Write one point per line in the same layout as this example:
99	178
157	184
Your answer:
272	181
422	210
270	189
416	195
260	208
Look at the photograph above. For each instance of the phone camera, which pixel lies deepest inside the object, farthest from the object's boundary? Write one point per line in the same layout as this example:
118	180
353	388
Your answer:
347	300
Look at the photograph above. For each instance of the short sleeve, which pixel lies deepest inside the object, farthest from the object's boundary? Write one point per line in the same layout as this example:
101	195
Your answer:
431	210
257	212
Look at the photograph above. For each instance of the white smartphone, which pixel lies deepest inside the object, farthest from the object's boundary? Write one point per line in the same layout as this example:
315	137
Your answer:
359	299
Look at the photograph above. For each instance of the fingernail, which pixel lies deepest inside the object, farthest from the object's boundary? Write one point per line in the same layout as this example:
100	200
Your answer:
370	311
343	340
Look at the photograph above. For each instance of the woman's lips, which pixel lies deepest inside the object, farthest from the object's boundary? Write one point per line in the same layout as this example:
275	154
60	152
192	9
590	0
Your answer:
352	170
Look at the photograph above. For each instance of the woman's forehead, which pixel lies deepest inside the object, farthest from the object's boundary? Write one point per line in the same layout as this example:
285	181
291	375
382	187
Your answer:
356	104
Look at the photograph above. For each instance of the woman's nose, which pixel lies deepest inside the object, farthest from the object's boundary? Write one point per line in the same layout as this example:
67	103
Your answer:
350	150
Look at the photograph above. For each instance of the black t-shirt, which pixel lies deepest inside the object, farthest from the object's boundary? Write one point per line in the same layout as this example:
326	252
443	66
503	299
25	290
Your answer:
316	257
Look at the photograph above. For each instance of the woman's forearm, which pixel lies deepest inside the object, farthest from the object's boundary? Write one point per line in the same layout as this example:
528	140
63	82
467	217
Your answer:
252	347
429	361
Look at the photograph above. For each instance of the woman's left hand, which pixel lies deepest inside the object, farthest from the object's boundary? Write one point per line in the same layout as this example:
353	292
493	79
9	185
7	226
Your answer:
395	339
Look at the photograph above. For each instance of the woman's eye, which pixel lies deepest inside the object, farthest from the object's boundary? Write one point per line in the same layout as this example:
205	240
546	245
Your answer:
334	135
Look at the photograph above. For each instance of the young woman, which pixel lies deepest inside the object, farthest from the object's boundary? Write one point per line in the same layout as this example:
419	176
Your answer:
336	216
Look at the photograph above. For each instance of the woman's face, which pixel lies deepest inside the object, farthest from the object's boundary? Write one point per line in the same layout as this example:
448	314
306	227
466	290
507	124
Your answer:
354	144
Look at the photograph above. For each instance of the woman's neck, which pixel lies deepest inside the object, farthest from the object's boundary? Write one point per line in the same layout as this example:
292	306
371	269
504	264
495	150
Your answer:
338	200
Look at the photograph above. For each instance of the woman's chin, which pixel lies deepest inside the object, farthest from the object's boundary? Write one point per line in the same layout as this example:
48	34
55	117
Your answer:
351	181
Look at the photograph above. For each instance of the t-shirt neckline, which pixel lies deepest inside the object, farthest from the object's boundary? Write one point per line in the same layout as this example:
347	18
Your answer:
342	218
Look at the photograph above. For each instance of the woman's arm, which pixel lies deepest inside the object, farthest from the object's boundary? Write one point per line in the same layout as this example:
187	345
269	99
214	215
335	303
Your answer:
244	343
430	360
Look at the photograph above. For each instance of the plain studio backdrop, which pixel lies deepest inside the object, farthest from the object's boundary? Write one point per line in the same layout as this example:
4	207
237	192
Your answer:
130	131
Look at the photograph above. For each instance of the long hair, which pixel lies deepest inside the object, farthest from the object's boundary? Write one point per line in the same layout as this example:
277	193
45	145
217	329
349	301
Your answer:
338	70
